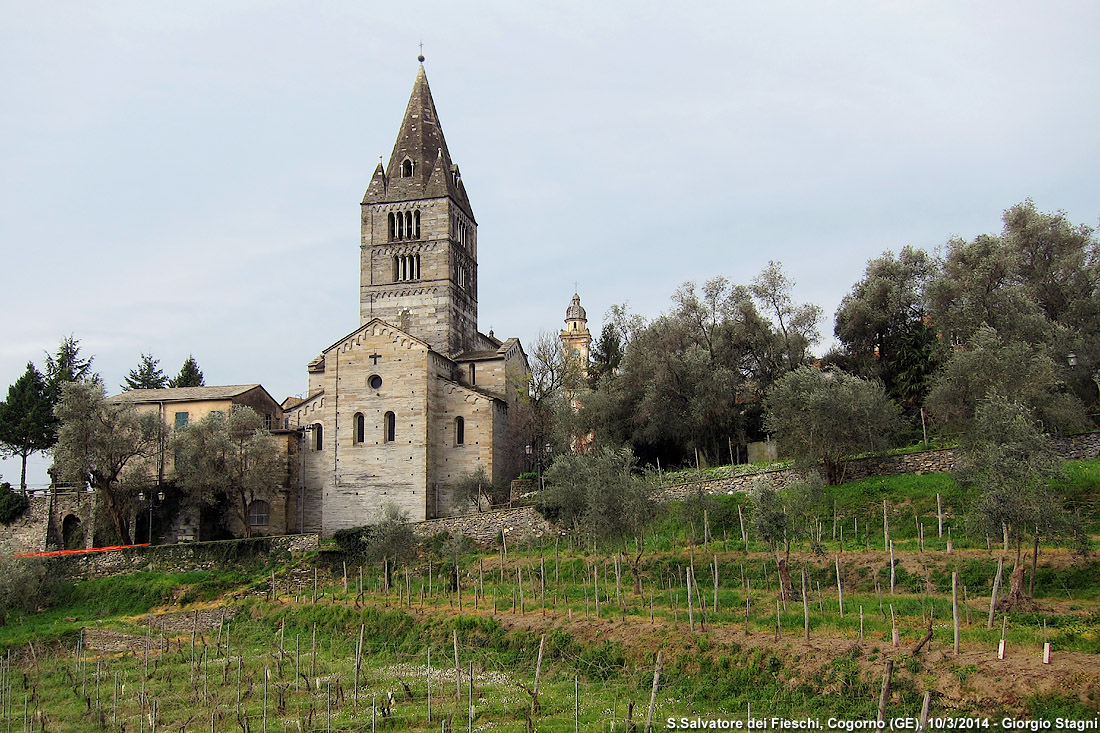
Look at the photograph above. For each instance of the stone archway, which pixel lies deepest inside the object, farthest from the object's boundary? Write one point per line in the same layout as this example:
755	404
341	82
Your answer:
72	533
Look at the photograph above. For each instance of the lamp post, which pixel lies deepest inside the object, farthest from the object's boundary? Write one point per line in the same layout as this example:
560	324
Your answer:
1071	359
160	499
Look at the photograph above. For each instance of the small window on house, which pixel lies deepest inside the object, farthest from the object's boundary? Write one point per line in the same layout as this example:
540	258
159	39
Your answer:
473	374
390	433
259	513
267	421
360	428
406	168
318	436
181	419
460	431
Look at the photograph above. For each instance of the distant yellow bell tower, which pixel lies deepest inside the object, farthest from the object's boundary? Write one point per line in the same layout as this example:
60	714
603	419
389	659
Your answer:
576	340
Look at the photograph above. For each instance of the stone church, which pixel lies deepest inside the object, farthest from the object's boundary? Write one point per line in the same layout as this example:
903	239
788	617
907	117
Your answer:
415	397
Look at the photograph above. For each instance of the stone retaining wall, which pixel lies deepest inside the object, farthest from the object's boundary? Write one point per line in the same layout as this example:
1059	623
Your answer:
484	528
28	532
1070	448
184	557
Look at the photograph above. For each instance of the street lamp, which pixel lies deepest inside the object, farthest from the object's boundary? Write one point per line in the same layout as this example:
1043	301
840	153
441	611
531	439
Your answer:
1071	359
160	498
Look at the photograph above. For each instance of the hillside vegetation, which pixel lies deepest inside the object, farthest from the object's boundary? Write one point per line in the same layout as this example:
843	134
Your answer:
328	642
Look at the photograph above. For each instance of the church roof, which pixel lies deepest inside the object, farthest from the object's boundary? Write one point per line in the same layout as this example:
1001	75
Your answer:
420	165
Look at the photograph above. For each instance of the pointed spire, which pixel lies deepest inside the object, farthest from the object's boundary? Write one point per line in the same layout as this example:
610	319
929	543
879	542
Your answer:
420	165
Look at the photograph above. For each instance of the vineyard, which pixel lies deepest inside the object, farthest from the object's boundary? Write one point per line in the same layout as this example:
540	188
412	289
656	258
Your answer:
892	608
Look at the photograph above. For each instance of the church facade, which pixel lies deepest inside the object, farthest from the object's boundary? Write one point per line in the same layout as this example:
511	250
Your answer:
414	398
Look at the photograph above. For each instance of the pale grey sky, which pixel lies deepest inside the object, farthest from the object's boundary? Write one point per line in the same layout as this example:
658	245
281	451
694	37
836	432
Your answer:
186	178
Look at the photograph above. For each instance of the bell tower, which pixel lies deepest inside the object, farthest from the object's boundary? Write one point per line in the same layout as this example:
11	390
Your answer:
576	340
419	238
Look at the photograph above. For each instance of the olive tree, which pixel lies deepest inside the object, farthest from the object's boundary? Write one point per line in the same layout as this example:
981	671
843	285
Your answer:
1011	460
597	495
229	457
784	516
109	446
827	415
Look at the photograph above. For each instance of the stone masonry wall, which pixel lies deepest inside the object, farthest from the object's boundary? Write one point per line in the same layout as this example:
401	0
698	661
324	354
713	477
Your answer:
28	532
486	527
183	557
1070	448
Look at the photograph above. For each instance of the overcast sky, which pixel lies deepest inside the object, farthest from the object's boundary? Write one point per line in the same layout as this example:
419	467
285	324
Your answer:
185	178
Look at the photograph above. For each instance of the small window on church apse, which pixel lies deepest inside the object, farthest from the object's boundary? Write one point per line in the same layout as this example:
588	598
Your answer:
390	431
360	428
460	431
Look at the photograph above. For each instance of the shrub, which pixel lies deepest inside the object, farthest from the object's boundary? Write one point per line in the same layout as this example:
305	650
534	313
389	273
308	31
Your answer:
12	505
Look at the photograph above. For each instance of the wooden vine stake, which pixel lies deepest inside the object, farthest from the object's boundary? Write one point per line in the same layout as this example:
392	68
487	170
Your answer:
893	575
1001	645
939	513
955	607
885	528
893	627
885	695
653	693
839	587
1046	644
996	588
805	607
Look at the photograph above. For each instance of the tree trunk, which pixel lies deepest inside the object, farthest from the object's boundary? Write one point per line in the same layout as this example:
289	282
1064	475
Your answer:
23	475
1016	594
784	577
122	526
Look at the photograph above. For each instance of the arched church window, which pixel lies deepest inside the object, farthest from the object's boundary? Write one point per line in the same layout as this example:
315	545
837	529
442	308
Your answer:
360	428
416	224
460	431
406	267
318	436
406	168
390	433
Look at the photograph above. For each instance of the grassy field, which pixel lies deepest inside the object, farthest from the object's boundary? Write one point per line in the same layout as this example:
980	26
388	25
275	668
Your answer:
323	643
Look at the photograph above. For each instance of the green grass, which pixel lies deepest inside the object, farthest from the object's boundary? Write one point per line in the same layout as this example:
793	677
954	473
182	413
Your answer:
708	673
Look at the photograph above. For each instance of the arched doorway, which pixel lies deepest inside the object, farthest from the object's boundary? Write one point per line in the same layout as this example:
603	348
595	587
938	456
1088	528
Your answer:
72	533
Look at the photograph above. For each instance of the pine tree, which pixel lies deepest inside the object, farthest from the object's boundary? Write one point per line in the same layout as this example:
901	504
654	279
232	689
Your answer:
64	367
27	423
190	375
147	375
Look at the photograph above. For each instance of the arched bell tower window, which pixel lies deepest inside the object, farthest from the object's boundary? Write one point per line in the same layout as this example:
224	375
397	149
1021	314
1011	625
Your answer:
406	267
406	168
404	225
390	433
360	428
460	431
